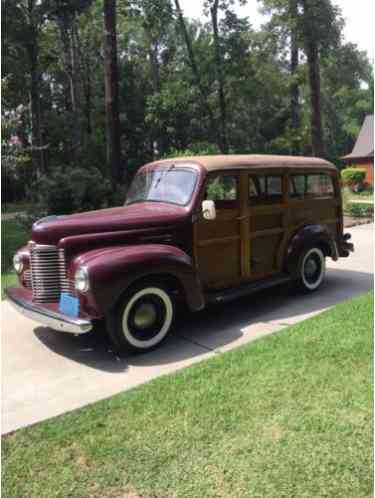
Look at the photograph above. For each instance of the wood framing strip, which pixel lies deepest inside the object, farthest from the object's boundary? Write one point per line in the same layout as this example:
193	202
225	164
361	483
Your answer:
223	241
266	233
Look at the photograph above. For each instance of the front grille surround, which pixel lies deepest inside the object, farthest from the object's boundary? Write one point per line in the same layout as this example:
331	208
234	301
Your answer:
48	273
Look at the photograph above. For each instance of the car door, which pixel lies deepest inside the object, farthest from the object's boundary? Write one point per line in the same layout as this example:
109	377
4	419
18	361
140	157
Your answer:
268	221
218	247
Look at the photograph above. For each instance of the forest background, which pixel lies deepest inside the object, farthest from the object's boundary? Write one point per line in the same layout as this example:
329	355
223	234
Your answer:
92	89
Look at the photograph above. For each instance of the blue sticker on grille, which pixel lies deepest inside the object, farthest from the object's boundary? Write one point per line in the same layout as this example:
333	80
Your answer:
69	305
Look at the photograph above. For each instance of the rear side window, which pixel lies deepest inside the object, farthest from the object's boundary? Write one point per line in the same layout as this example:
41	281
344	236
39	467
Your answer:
319	186
265	189
313	186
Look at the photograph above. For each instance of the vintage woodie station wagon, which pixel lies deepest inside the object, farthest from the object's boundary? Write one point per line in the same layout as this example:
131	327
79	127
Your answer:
193	230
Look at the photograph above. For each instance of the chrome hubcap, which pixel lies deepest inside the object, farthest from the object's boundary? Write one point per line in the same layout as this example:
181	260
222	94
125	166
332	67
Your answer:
145	316
311	267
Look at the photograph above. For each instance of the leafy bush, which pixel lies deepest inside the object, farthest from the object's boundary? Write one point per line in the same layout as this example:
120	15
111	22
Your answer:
360	210
353	176
70	190
26	220
198	149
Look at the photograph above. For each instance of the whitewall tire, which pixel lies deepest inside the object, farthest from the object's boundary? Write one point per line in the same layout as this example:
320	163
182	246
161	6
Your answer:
312	269
142	320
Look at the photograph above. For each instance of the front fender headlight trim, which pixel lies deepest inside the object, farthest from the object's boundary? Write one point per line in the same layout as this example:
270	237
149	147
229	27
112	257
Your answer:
81	279
18	263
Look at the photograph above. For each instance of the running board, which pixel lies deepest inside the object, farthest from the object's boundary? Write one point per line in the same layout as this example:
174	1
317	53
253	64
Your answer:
227	295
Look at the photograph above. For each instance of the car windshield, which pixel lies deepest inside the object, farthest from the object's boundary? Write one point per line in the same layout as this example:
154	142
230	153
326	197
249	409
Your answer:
173	185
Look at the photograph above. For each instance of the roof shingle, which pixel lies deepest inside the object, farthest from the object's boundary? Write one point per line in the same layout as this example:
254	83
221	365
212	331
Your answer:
364	146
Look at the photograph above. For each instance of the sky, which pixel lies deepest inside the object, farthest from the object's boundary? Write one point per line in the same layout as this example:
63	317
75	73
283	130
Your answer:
358	14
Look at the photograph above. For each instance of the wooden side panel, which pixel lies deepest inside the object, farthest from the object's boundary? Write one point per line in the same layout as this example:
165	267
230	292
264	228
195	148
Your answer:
225	225
267	229
264	254
219	249
321	211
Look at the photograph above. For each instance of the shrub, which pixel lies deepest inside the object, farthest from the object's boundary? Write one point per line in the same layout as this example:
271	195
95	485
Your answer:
360	210
353	176
26	220
198	149
70	190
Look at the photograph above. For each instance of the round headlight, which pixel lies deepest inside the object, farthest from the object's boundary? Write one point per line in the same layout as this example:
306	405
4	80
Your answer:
17	263
81	279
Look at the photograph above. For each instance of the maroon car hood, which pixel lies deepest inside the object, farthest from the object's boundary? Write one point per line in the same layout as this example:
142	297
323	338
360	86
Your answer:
139	215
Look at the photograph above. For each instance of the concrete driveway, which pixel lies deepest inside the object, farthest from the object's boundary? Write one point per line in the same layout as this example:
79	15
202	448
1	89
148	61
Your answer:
46	373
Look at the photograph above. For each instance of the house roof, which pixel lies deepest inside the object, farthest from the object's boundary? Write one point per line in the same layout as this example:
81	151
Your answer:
364	146
221	162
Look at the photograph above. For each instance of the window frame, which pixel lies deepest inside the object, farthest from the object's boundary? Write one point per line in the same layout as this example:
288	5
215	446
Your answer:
306	196
261	199
224	204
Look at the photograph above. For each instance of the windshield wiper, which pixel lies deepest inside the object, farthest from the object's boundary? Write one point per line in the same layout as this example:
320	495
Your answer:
165	172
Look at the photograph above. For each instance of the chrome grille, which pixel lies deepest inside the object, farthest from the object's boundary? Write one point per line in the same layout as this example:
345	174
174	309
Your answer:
48	273
27	278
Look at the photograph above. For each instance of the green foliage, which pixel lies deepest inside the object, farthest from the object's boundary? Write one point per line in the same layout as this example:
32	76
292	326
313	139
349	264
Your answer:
353	176
198	149
13	236
360	210
69	190
160	105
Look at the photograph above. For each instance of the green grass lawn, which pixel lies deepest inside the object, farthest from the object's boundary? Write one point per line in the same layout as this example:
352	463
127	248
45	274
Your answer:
13	236
287	416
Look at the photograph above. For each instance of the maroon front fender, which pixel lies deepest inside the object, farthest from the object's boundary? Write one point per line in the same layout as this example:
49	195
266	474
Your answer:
113	269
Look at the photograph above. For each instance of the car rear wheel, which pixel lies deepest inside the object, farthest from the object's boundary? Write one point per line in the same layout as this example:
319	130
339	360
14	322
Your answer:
142	320
312	269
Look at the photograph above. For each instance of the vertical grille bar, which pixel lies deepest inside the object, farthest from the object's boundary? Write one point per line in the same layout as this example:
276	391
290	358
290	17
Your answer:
27	278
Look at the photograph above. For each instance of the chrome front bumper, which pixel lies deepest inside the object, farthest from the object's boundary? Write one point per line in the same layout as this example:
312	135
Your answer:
52	319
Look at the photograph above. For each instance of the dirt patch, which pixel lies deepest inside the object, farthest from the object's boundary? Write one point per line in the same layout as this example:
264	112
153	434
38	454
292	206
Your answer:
273	432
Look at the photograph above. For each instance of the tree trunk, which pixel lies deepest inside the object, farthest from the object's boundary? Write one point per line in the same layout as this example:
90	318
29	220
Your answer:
294	54
196	74
220	77
86	81
111	93
76	104
311	45
314	80
71	69
37	154
159	136
88	104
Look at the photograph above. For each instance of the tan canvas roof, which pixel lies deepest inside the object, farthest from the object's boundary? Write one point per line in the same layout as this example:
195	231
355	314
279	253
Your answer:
220	162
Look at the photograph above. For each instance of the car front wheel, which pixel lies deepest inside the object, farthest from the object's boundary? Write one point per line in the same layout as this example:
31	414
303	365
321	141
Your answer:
312	269
142	320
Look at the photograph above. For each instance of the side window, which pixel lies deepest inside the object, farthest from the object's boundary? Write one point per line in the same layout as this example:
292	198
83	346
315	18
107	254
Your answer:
297	186
314	186
319	186
265	189
223	190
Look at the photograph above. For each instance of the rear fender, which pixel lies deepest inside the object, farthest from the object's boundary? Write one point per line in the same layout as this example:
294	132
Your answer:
112	270
305	238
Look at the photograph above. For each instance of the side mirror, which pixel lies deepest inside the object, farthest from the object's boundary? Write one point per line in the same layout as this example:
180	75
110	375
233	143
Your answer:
209	210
